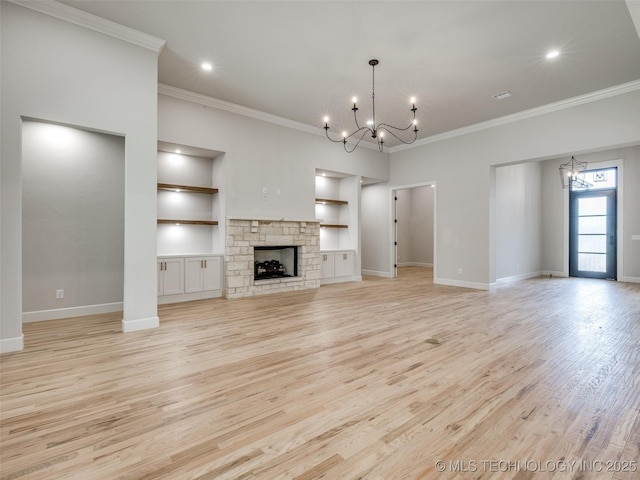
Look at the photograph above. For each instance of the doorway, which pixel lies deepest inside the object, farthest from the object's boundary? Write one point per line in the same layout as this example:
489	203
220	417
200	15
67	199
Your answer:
593	225
414	229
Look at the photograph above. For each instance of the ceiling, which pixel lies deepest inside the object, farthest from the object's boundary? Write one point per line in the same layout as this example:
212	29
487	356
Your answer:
302	60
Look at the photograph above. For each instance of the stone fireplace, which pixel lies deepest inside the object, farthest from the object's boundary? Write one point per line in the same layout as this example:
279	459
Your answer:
288	251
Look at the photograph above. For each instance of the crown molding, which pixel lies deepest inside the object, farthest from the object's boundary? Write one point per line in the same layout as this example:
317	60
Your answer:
207	101
93	22
534	112
634	11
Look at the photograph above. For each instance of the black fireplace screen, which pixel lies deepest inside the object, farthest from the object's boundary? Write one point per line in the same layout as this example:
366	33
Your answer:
275	262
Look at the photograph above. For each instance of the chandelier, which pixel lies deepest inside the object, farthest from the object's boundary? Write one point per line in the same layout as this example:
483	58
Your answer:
572	174
375	129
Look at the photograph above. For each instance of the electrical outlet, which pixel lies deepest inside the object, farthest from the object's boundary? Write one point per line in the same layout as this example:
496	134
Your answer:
59	293
459	271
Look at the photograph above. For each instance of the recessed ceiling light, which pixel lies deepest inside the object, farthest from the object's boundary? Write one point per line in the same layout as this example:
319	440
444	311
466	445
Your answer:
178	150
553	54
207	66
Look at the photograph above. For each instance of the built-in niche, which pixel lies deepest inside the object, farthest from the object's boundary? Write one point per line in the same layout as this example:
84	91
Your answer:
72	221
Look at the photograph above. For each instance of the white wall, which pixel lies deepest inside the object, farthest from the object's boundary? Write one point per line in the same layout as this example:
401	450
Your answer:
375	229
518	217
403	225
72	217
461	165
260	155
90	80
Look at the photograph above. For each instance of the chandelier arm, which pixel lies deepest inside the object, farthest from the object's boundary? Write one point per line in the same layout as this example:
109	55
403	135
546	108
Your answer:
398	138
326	131
356	132
357	143
355	119
386	126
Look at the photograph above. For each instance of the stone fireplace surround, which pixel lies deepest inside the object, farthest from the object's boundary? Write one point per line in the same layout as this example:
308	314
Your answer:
244	234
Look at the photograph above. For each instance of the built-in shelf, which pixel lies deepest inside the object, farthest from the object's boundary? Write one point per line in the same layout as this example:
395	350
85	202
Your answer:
187	188
186	222
327	201
333	225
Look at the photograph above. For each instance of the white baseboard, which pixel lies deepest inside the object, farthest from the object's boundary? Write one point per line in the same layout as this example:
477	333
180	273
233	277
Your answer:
562	274
188	297
522	276
459	283
42	315
553	273
375	273
140	324
327	281
14	344
629	279
414	264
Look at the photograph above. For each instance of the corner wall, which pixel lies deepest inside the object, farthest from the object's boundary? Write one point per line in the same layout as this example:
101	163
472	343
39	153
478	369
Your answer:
93	81
518	229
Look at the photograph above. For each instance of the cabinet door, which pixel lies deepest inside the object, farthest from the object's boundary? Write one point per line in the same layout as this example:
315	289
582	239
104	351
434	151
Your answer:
160	277
171	277
343	264
327	270
193	268
211	273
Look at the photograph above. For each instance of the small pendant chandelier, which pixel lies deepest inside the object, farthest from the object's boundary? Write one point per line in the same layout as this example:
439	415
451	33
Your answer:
375	129
572	174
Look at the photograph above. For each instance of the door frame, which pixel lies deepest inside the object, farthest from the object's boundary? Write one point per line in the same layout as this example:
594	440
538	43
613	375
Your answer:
610	194
618	163
393	251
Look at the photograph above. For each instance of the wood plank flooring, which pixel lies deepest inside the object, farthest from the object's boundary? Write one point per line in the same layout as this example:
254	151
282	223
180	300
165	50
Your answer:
383	379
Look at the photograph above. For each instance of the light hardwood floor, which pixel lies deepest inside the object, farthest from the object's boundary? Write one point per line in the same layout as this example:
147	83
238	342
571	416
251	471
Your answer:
375	380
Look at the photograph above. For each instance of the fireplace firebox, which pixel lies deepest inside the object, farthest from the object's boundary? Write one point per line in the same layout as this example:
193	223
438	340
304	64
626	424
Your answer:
277	261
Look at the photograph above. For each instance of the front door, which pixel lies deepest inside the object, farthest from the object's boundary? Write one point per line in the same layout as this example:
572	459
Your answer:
592	230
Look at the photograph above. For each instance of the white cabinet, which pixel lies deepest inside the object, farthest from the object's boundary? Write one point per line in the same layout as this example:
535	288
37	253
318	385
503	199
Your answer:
337	266
202	274
183	278
343	266
170	276
328	265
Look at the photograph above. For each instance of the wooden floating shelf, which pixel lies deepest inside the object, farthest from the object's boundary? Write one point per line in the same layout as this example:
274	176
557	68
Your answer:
187	222
187	188
332	225
327	201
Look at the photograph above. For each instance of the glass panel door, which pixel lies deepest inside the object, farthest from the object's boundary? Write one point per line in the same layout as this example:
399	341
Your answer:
592	239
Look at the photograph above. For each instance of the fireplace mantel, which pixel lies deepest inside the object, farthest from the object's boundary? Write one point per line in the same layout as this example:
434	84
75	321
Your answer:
270	219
